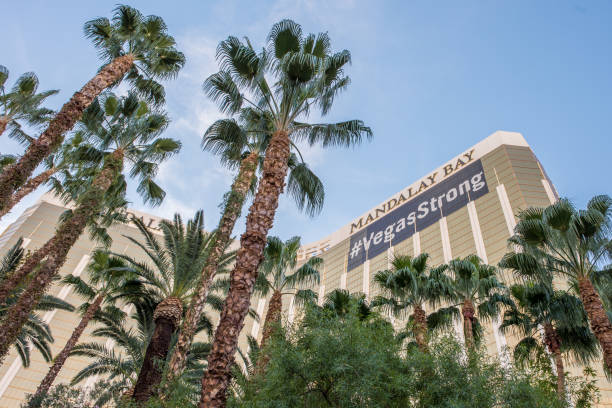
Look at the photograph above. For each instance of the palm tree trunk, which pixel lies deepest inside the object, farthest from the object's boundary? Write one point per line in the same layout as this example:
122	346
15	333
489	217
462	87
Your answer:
252	243
273	320
3	122
60	359
467	310
16	174
240	188
420	328
56	250
598	319
167	317
29	186
553	343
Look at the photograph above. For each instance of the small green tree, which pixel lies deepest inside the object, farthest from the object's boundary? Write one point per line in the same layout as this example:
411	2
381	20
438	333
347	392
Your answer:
573	244
472	286
410	284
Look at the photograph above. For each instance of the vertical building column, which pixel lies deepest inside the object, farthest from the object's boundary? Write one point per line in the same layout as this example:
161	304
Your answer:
476	232
321	296
365	286
506	208
47	317
549	191
343	280
416	244
448	255
446	248
291	314
390	256
500	338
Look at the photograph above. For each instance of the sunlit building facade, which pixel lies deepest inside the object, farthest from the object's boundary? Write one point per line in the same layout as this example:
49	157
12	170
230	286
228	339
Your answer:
465	206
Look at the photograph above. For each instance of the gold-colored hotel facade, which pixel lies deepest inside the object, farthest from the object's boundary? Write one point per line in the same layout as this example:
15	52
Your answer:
466	206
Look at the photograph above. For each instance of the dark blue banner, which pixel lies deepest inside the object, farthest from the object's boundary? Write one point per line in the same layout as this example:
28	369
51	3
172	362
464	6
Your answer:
415	215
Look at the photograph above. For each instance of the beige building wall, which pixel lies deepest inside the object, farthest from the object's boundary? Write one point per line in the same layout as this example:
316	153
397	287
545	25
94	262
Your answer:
36	225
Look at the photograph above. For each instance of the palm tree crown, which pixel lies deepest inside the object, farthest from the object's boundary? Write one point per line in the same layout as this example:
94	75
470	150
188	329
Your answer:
549	318
575	244
130	126
473	287
145	38
22	104
410	285
278	271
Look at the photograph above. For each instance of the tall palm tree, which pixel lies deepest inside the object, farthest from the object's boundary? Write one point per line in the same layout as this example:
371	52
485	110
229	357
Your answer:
573	244
131	335
552	318
410	284
124	130
472	286
134	47
22	103
239	145
35	331
106	277
278	275
306	76
170	273
61	160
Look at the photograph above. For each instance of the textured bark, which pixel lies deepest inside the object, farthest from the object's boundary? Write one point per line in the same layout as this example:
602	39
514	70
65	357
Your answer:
15	175
240	188
29	186
60	359
467	310
56	250
167	317
553	343
252	243
598	319
420	328
273	320
3	122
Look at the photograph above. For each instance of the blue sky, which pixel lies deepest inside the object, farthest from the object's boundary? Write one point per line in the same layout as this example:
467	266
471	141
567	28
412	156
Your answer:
430	78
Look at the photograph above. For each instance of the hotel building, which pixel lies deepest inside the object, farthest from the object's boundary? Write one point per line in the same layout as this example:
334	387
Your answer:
465	206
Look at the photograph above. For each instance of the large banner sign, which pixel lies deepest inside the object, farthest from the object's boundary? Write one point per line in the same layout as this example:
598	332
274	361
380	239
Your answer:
415	215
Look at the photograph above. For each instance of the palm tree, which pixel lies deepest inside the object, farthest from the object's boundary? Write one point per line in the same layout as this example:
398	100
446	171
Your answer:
133	46
472	286
22	103
573	244
57	162
240	146
131	335
341	303
107	276
306	76
170	274
35	331
553	318
278	275
409	285
124	130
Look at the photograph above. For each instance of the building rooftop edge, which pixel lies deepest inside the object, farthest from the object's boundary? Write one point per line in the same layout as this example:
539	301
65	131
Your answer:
488	144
